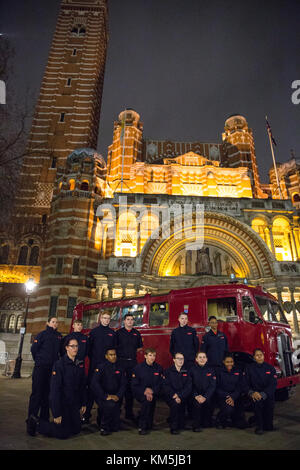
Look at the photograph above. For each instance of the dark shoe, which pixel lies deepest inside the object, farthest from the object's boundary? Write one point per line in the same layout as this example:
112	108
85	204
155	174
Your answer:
174	431
143	432
32	423
104	433
258	431
197	429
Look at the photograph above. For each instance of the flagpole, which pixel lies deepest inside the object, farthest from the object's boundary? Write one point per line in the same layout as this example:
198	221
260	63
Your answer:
274	162
123	151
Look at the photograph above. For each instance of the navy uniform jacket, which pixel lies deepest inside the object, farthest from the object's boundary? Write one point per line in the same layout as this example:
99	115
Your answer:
145	376
203	381
229	383
215	345
108	379
83	343
177	382
184	339
261	378
128	342
67	386
100	339
46	347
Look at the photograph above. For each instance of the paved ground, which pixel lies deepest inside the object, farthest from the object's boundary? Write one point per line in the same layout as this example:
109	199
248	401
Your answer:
14	395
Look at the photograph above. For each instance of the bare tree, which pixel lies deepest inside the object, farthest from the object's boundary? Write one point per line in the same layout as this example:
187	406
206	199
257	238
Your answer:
13	132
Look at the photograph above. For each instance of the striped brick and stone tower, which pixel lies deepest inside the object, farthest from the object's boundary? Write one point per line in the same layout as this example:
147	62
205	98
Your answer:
68	110
239	150
66	118
125	150
73	244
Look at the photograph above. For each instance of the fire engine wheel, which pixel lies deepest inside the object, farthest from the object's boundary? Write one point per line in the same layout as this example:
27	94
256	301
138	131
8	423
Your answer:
282	394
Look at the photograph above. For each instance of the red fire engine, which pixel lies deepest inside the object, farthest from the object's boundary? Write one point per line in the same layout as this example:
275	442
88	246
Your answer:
250	317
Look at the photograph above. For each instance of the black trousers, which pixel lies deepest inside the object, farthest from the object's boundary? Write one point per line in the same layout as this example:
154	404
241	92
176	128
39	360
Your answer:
233	414
39	398
90	394
128	366
70	424
201	413
263	412
177	411
109	415
146	412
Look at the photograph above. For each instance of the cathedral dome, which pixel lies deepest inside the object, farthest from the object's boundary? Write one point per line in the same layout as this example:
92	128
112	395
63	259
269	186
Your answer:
78	155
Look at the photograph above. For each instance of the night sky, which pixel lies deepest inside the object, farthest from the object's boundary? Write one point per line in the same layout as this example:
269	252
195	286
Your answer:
183	65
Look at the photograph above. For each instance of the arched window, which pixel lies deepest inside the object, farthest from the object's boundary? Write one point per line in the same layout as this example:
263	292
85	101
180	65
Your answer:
3	321
22	260
84	186
19	323
12	323
296	198
4	252
78	30
34	256
71	185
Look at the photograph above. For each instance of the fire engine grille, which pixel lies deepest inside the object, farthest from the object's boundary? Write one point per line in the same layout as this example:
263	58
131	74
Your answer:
285	352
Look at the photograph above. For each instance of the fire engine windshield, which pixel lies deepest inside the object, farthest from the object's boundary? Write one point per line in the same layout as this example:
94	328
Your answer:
270	310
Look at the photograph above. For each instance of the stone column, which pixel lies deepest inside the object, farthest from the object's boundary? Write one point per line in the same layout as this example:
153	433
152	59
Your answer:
271	239
295	316
297	240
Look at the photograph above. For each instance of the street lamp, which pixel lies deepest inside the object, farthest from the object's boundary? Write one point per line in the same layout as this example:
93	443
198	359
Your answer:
29	287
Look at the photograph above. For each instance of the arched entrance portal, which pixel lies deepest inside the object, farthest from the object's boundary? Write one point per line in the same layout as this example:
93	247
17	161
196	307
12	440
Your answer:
230	246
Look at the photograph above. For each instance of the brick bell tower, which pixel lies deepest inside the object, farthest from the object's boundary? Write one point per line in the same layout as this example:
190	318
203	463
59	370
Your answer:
66	118
67	114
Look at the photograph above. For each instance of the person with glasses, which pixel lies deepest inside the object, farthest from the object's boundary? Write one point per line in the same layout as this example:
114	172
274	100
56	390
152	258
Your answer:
67	396
177	387
45	351
82	339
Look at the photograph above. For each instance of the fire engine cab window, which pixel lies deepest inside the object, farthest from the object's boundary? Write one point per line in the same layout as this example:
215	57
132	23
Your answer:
91	318
224	309
137	311
159	314
249	313
271	311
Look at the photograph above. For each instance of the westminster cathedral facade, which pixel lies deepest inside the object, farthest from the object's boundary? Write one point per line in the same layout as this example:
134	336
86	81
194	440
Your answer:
148	217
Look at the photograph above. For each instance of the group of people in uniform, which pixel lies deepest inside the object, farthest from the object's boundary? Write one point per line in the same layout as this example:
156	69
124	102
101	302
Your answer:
203	377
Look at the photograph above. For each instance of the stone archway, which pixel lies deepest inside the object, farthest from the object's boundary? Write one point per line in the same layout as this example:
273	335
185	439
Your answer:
241	242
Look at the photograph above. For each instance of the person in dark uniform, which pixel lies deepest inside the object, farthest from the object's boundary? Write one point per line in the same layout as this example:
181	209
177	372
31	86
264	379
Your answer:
108	385
184	338
261	381
214	344
146	385
82	339
129	342
203	388
101	339
228	391
45	351
67	396
177	387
